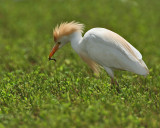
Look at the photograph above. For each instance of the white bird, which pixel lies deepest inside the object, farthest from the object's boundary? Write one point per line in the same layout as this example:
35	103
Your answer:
100	46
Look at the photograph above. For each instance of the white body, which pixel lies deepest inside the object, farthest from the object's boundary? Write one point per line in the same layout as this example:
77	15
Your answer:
109	50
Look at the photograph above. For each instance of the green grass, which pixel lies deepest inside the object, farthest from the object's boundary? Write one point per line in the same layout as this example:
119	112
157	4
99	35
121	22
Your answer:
37	93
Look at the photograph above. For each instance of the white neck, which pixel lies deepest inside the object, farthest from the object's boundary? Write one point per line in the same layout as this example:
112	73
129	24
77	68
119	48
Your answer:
75	39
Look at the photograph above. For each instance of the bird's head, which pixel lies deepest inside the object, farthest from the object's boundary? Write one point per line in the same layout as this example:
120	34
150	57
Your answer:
62	32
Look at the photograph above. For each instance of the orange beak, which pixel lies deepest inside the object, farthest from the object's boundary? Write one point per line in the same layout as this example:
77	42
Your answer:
55	48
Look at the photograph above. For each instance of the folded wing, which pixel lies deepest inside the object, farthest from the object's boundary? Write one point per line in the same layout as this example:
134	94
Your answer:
111	50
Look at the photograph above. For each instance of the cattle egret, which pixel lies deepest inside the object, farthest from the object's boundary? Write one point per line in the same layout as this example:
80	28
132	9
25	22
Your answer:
100	46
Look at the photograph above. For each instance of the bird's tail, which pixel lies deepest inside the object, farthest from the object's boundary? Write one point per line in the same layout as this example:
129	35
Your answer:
145	71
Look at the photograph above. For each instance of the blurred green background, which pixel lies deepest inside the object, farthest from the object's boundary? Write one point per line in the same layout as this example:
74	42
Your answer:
38	93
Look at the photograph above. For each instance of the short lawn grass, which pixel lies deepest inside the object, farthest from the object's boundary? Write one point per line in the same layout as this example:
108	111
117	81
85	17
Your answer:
37	93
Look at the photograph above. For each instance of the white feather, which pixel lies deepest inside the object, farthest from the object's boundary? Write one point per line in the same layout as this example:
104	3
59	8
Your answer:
108	50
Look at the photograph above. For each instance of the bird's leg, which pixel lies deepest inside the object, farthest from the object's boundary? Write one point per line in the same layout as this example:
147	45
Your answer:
114	82
111	74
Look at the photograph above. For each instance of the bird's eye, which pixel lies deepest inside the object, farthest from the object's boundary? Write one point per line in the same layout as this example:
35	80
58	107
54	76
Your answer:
59	42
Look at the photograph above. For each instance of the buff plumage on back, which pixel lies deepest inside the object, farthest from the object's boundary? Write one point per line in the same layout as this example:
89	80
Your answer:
66	28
